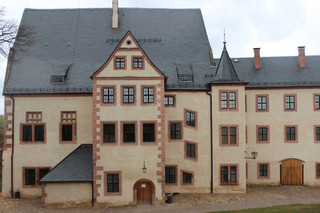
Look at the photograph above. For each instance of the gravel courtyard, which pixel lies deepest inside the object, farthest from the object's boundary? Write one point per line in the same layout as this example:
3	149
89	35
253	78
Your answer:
256	196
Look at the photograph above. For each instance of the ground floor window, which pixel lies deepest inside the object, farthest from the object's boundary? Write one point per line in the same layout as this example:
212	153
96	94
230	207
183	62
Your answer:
170	174
263	170
229	174
33	175
112	183
318	170
187	177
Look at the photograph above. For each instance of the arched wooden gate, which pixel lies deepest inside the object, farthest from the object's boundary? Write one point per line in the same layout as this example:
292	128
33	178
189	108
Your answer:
291	172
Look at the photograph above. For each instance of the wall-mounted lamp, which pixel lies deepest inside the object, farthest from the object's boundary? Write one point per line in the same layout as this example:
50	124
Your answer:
253	155
144	169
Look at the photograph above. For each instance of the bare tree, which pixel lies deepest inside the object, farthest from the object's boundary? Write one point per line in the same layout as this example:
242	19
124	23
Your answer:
9	35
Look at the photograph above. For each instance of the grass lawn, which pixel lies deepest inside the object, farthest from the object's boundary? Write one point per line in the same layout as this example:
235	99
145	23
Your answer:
296	208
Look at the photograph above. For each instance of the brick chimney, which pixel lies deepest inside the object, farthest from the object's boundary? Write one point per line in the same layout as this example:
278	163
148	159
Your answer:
302	56
256	58
115	14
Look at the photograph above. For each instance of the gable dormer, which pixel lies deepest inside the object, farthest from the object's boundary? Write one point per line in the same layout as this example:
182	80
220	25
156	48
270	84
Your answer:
128	60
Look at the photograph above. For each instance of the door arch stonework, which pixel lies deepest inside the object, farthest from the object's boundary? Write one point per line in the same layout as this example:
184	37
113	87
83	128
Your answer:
136	187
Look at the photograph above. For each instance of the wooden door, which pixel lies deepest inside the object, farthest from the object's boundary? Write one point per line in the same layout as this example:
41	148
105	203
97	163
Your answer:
291	172
144	193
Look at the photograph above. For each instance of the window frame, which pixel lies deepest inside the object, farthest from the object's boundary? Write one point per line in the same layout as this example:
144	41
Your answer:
314	101
195	118
33	133
174	100
169	131
175	175
106	193
195	150
315	133
268	134
122	132
37	173
70	121
229	182
115	63
134	95
295	103
237	135
296	134
258	170
181	177
114	87
257	102
155	133
228	100
132	63
142	103
116	133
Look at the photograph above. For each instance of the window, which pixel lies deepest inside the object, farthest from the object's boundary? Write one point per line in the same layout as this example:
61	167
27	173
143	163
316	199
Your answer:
262	134
109	133
108	95
316	100
169	101
170	174
147	95
120	63
228	100
128	95
33	175
113	183
291	134
263	170
228	135
187	177
318	170
68	127
190	119
262	104
190	150
229	174
137	63
129	133
34	129
148	133
175	131
317	134
290	102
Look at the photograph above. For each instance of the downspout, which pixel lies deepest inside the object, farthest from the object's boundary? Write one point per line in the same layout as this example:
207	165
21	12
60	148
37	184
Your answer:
12	147
211	145
92	195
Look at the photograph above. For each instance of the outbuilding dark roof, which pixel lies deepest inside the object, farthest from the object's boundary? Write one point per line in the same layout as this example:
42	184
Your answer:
74	43
76	167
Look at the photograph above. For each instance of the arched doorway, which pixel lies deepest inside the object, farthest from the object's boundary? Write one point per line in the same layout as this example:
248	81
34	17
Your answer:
144	192
291	172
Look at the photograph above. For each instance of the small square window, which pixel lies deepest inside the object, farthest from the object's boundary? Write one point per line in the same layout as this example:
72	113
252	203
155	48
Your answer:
148	95
137	63
128	95
262	134
262	103
187	177
120	63
108	95
228	100
169	101
290	102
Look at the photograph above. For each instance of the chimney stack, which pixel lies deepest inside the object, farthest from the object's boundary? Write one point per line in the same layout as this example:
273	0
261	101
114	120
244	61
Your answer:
115	14
302	56
256	58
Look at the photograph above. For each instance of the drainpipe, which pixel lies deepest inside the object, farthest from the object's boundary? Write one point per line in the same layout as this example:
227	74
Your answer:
211	145
12	147
92	191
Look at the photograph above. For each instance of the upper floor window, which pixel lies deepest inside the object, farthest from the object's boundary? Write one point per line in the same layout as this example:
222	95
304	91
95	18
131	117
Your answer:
190	150
191	119
262	104
137	63
229	135
291	134
228	100
317	134
262	134
290	102
316	100
128	95
228	174
34	129
148	132
109	133
169	100
68	127
129	133
175	131
170	174
120	63
148	95
108	95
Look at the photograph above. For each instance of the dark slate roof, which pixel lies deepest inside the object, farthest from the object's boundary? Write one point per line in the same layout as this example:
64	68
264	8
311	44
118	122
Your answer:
76	167
225	72
76	42
278	72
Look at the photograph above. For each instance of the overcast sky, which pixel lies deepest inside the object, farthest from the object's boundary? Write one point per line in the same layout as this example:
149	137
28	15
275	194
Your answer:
278	27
